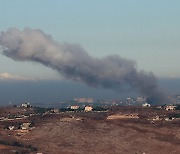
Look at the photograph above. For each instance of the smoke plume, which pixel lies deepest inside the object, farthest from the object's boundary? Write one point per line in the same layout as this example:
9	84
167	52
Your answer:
74	63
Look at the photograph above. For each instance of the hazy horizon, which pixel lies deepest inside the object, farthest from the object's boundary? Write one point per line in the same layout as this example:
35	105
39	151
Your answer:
56	91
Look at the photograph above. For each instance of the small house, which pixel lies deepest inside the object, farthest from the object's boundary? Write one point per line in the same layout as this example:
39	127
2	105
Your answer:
25	126
74	107
88	108
146	105
11	127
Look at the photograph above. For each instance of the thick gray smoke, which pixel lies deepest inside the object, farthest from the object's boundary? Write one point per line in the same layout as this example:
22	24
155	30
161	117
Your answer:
74	63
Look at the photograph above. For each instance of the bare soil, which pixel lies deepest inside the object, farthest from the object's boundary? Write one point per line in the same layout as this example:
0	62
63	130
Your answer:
93	133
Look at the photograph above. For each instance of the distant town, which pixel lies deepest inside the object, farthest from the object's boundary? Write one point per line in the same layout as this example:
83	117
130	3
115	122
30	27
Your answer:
87	101
27	110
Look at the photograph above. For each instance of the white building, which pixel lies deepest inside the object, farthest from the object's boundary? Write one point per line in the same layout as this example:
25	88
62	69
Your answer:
88	108
11	127
74	107
26	104
54	110
146	105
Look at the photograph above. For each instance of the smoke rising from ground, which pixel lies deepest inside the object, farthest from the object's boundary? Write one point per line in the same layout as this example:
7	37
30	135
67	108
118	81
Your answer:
74	63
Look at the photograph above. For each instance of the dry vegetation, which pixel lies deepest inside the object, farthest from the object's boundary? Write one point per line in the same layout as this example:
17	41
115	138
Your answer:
93	133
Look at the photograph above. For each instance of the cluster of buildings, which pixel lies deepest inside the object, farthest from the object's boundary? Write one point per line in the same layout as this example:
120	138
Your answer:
170	107
71	109
86	108
123	102
89	107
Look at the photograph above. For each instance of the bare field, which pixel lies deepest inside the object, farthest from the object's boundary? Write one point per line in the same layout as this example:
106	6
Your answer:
104	136
93	133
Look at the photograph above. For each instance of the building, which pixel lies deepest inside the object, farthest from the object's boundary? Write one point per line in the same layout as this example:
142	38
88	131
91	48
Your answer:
26	105
11	127
74	107
25	126
55	110
170	107
88	108
146	105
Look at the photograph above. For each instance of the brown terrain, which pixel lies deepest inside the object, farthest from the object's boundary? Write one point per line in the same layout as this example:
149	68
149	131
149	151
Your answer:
94	133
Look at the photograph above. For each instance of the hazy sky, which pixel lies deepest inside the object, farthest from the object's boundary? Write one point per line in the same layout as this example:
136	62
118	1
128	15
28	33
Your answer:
147	31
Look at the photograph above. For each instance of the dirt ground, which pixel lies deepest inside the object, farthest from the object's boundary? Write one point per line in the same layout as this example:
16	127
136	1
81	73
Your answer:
93	133
104	137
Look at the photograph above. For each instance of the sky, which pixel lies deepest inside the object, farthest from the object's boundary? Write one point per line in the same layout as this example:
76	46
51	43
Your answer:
147	31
